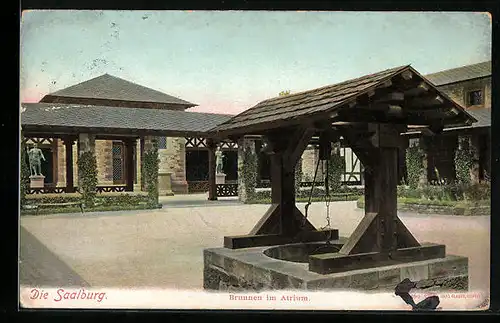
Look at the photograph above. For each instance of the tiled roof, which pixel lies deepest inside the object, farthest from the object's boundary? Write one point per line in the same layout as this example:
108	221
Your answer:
483	117
460	73
88	116
110	87
314	102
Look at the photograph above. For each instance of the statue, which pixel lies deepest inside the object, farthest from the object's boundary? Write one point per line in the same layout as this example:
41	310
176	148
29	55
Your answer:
219	163
35	157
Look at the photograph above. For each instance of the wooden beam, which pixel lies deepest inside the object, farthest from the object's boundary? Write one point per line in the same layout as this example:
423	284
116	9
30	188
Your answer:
212	187
68	144
337	262
269	223
129	164
425	101
407	75
386	84
298	144
391	97
421	88
249	241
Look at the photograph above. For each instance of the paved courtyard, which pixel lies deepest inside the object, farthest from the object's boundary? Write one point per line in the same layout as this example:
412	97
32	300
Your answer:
164	248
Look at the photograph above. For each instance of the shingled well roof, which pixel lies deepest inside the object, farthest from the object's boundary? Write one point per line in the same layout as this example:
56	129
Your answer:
319	101
66	116
109	87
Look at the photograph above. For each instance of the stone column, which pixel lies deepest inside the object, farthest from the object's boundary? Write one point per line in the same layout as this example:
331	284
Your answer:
243	146
61	163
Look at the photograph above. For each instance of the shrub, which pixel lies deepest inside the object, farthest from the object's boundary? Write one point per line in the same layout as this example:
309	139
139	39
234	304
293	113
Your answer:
414	165
463	161
150	171
87	182
478	192
336	167
24	174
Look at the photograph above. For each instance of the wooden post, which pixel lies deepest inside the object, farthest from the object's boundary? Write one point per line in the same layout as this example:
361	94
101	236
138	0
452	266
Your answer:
212	186
68	145
129	164
141	156
387	181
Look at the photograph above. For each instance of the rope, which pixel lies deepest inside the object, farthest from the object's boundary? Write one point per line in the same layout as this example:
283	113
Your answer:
310	193
327	203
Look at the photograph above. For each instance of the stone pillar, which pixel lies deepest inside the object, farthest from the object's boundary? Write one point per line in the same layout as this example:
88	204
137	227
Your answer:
212	185
61	163
68	144
243	146
86	143
165	183
104	159
475	150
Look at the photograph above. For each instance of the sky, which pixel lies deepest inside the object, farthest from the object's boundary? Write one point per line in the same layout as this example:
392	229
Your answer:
228	61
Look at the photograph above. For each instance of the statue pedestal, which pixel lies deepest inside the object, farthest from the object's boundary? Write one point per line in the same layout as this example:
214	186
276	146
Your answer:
220	178
165	183
37	181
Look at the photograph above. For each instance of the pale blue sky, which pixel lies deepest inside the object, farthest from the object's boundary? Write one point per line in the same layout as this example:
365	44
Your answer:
228	61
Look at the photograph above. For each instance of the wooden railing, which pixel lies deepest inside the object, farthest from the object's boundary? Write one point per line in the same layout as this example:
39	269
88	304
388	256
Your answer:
224	190
59	190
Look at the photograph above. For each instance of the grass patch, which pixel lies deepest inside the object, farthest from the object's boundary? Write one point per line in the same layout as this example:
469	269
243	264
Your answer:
99	208
418	205
306	199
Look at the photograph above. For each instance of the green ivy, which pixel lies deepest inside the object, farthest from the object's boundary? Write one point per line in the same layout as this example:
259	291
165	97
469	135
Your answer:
249	172
463	161
298	176
25	173
87	182
150	173
414	165
336	167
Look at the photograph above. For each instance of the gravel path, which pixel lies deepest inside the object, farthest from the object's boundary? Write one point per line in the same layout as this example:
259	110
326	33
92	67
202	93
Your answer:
164	248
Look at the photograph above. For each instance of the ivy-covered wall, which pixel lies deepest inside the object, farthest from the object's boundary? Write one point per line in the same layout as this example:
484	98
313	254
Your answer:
336	167
463	161
414	165
87	166
247	169
24	173
150	165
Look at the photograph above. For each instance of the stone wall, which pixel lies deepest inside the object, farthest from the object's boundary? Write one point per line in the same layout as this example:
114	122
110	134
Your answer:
458	91
173	160
104	157
250	270
309	159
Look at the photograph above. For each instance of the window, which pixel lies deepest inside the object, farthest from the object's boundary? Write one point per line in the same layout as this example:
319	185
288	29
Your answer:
475	97
162	142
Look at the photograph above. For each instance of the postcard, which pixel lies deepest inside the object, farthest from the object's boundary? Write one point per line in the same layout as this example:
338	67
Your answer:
284	160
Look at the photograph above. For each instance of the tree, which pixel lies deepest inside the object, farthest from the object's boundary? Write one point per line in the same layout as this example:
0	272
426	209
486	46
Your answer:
283	93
